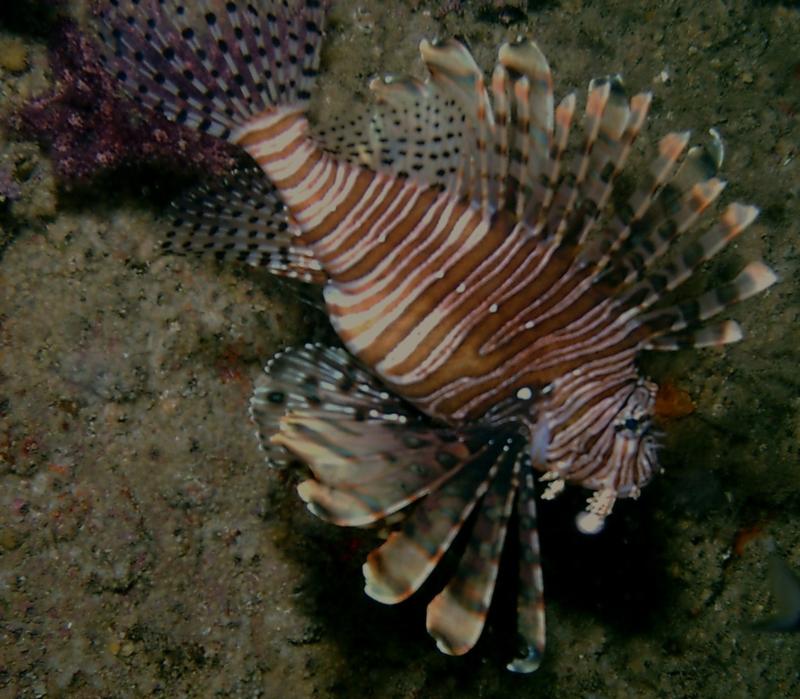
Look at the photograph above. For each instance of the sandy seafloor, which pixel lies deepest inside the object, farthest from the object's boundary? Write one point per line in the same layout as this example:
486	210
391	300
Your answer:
146	550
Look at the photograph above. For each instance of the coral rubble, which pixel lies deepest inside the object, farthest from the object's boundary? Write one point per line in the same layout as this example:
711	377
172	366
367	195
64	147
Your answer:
91	128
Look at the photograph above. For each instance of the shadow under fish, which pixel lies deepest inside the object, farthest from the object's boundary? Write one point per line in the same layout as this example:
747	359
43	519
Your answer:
785	586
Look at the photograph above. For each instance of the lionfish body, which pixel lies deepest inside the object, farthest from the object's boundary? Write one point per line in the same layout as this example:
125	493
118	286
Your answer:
491	299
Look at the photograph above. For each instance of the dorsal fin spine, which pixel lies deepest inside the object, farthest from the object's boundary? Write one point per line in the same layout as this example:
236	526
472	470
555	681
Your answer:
536	211
501	114
522	98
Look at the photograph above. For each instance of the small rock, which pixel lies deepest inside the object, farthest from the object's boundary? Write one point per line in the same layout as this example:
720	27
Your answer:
13	55
8	540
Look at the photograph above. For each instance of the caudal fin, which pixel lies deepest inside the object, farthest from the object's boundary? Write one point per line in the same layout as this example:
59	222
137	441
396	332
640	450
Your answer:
214	65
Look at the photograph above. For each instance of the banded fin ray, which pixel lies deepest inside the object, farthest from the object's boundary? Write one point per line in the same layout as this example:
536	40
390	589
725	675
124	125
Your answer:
627	217
660	212
501	148
732	223
486	490
567	196
381	470
717	335
395	570
530	596
522	91
619	127
456	616
752	280
611	125
674	210
539	203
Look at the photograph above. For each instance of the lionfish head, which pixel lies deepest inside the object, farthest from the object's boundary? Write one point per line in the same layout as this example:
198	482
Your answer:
609	447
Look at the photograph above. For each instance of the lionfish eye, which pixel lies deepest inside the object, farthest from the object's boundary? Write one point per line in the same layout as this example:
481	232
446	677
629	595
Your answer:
631	424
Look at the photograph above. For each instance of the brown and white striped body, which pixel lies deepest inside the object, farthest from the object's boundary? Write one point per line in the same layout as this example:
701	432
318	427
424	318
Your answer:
456	311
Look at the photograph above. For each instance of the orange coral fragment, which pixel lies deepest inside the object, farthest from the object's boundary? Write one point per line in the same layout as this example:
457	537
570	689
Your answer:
672	402
744	536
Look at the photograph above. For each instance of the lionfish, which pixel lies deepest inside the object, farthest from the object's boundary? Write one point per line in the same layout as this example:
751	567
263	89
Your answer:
491	295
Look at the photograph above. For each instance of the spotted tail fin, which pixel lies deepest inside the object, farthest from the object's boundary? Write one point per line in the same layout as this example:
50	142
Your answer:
214	65
241	218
